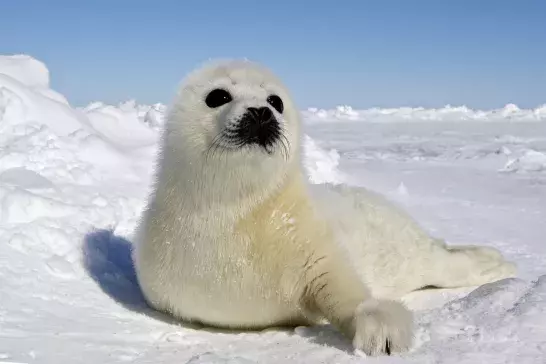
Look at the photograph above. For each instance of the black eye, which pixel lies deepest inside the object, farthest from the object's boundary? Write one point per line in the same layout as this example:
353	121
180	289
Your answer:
217	98
276	102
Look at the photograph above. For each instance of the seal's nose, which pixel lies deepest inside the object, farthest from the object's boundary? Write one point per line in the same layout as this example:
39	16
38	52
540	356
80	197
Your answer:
261	115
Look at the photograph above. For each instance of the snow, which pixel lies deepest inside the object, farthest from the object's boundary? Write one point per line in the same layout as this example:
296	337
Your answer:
74	180
321	166
25	69
509	112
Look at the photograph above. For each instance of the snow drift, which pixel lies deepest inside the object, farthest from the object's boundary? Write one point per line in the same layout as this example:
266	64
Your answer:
74	180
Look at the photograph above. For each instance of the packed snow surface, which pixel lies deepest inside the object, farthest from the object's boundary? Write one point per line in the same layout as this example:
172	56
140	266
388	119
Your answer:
73	182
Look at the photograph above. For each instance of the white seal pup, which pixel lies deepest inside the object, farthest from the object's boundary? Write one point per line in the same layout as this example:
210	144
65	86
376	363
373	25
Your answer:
235	237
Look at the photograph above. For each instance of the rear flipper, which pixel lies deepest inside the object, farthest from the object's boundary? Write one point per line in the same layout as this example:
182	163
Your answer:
468	265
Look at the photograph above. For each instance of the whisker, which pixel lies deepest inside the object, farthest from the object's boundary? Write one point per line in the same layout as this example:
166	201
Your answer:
214	145
229	139
285	143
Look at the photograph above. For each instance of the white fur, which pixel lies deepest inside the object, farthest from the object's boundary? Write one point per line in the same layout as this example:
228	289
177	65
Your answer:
239	239
393	254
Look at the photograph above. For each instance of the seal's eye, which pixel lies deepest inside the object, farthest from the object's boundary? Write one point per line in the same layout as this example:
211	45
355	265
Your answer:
217	98
276	102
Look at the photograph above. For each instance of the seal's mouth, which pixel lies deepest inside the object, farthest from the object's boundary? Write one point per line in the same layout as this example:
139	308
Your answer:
258	127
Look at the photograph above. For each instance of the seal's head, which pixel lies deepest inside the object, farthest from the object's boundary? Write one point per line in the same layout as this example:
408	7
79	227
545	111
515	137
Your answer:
232	133
235	110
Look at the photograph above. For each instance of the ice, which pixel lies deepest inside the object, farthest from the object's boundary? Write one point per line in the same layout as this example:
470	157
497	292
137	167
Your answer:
73	182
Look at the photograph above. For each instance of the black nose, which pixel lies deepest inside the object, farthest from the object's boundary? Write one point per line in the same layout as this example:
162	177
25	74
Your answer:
261	115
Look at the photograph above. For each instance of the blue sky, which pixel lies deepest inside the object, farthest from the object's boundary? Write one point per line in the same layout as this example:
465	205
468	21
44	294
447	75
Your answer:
383	53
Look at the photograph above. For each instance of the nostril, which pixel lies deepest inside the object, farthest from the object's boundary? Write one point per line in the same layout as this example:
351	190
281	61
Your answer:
254	112
262	114
265	113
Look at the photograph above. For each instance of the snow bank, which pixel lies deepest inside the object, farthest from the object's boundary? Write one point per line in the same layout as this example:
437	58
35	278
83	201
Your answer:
73	182
25	69
448	113
124	125
321	165
25	105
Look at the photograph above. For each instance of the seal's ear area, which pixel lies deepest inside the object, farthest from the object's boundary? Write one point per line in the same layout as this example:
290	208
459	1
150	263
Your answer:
209	70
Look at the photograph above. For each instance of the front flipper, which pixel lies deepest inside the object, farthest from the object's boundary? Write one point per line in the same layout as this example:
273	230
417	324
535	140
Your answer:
375	326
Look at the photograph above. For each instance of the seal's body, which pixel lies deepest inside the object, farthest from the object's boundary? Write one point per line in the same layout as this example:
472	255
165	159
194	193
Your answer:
235	237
